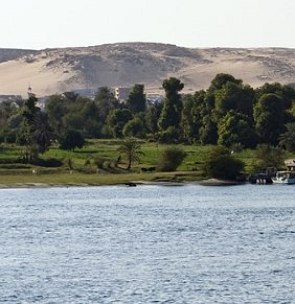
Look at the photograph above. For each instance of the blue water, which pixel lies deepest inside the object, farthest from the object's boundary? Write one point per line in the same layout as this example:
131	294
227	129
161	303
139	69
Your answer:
148	244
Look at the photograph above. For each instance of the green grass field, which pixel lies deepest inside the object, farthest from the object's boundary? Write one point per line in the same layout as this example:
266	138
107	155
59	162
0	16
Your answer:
12	172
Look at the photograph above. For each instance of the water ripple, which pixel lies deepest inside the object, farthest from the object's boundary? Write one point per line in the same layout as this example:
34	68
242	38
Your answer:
147	244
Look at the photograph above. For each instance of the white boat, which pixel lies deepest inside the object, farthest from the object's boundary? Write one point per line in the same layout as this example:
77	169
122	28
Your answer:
284	177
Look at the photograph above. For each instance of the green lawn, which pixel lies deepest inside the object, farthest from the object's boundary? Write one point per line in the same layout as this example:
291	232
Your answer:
191	168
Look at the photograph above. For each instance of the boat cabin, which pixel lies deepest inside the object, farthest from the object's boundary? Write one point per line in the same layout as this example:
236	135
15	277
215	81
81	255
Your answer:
290	164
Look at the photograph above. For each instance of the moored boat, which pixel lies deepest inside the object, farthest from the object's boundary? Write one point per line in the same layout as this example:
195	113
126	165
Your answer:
284	177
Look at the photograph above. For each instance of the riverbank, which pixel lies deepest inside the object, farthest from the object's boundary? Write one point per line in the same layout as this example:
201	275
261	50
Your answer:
220	182
77	179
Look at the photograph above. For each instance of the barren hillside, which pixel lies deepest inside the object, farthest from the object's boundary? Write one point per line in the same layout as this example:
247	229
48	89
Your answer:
52	71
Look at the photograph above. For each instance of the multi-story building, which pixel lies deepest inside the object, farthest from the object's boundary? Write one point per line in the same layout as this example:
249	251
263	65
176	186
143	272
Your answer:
122	94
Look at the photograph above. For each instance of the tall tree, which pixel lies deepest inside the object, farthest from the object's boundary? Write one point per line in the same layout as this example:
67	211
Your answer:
233	96
56	108
208	131
222	79
43	132
135	127
194	108
136	101
152	114
26	134
220	97
106	102
286	92
236	128
10	120
116	121
287	139
269	118
171	112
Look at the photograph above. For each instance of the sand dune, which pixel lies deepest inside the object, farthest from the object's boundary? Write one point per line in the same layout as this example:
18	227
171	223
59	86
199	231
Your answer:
57	70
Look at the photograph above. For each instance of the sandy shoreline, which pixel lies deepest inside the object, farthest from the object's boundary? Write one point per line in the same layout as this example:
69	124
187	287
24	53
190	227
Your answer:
67	185
209	182
49	185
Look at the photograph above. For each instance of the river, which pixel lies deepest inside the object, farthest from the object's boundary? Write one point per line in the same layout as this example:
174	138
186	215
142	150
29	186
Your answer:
148	244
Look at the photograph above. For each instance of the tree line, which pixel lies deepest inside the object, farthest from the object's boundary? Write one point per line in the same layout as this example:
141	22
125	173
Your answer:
229	113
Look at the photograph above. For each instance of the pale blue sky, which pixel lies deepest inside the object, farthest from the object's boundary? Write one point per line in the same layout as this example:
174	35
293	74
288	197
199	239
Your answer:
41	24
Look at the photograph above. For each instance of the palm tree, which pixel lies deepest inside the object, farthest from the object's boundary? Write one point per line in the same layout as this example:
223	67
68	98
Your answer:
132	150
43	132
287	139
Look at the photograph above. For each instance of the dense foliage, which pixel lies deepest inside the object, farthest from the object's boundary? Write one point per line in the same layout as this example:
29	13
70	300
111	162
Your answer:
170	159
221	164
130	149
71	139
229	113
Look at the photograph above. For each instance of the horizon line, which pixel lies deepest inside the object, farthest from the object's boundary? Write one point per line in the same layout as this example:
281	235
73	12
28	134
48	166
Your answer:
147	42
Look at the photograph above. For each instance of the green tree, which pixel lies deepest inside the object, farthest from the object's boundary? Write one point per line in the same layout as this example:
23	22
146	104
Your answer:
30	109
170	159
92	125
136	101
233	96
56	108
220	164
71	139
171	112
43	132
285	92
222	79
287	139
7	109
131	149
194	108
222	95
116	121
269	118
208	131
268	156
152	115
135	127
170	135
74	120
10	120
26	134
71	96
106	102
25	139
234	128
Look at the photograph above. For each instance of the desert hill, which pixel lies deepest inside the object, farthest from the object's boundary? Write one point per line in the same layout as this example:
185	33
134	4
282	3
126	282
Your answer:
52	71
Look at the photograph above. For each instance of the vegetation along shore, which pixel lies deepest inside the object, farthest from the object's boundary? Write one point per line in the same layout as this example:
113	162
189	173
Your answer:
226	132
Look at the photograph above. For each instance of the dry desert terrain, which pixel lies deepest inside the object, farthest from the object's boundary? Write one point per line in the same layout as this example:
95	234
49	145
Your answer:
53	71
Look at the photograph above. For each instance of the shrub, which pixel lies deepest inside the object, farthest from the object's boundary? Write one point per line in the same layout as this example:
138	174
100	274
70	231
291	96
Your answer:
72	139
100	162
268	156
170	135
220	164
170	159
49	162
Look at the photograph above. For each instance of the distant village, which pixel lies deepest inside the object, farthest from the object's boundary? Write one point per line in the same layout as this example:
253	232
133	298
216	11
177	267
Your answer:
120	93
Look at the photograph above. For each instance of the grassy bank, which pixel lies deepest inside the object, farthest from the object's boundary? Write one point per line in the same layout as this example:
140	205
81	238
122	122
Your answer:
84	168
77	178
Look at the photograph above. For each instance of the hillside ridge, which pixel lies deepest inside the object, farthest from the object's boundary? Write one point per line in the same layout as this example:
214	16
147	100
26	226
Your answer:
55	70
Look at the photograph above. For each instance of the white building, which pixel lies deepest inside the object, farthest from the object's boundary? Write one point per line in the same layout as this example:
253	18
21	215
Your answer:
122	94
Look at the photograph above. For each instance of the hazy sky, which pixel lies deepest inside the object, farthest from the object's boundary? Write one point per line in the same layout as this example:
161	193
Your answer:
194	23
